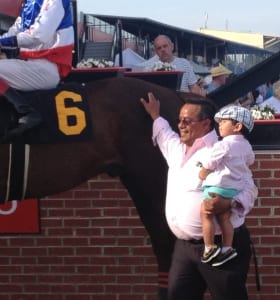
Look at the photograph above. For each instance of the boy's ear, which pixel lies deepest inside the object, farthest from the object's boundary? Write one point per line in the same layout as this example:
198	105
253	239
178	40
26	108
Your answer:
238	126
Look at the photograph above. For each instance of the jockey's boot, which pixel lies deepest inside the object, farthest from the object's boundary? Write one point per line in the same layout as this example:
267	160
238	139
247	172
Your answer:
28	116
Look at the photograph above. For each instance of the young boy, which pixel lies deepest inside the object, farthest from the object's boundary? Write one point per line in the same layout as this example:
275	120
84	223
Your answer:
223	173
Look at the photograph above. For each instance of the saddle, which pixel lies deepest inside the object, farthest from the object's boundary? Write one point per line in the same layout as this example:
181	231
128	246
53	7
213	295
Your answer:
65	113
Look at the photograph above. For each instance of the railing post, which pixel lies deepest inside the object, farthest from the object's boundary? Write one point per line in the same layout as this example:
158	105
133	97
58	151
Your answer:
119	42
147	47
75	26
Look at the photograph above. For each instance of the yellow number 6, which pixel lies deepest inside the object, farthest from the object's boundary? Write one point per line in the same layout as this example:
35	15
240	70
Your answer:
64	113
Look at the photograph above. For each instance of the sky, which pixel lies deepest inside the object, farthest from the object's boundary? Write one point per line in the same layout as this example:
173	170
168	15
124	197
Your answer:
236	15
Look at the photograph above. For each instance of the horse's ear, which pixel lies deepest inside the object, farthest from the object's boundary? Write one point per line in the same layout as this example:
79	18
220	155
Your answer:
187	95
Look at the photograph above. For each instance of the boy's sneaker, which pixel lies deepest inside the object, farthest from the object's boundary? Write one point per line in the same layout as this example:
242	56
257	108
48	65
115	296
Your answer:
224	257
210	254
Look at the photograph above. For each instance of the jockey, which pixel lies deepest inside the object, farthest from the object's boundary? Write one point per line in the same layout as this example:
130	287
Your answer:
44	37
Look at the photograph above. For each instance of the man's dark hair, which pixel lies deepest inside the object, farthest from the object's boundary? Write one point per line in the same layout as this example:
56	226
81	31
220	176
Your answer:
207	111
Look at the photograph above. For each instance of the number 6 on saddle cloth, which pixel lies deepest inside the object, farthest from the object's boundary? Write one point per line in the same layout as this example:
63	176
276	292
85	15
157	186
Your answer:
65	114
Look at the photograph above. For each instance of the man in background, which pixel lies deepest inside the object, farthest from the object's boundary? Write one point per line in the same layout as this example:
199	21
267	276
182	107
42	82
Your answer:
219	76
164	49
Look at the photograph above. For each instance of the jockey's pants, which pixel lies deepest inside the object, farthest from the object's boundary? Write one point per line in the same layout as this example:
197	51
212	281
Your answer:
28	75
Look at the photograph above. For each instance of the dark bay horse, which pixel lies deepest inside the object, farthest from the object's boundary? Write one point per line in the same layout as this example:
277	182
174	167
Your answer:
121	146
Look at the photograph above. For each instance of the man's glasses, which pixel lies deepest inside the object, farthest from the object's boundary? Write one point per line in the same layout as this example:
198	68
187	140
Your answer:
187	121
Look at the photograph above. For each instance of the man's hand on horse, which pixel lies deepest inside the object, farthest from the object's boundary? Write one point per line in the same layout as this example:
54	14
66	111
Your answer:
152	106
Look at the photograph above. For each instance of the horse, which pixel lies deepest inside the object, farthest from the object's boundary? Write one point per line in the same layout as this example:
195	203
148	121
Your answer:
121	145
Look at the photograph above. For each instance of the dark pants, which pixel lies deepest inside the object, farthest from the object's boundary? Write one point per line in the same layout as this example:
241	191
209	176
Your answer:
189	278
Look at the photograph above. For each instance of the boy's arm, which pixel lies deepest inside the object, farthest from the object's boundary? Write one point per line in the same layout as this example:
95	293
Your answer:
203	173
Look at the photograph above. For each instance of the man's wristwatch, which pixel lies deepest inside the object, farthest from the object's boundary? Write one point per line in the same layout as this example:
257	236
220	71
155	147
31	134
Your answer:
233	203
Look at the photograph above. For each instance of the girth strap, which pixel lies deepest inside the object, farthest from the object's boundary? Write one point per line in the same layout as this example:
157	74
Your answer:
18	171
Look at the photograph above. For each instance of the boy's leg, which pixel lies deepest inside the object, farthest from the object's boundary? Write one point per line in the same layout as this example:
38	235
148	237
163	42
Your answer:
227	252
226	228
208	226
211	250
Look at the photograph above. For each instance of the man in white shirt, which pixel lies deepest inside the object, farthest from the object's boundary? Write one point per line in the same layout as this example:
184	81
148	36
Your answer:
273	101
164	49
188	276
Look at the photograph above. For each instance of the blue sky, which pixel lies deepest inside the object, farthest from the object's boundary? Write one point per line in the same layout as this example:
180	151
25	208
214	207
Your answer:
236	15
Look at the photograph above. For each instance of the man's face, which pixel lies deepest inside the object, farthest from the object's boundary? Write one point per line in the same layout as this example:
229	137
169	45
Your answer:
221	79
164	49
191	126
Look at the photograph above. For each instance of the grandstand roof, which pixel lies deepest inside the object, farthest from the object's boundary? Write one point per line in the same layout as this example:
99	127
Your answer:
184	37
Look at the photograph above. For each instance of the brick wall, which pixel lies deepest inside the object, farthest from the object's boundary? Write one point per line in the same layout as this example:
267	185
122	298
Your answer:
92	245
264	226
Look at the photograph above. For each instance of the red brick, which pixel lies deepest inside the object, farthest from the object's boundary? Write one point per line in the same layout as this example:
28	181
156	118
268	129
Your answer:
93	245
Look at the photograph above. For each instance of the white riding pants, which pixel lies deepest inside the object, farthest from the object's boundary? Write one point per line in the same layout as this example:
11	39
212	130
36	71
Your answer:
29	75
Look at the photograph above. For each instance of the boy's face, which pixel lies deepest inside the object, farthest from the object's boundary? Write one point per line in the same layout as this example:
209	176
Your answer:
228	127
